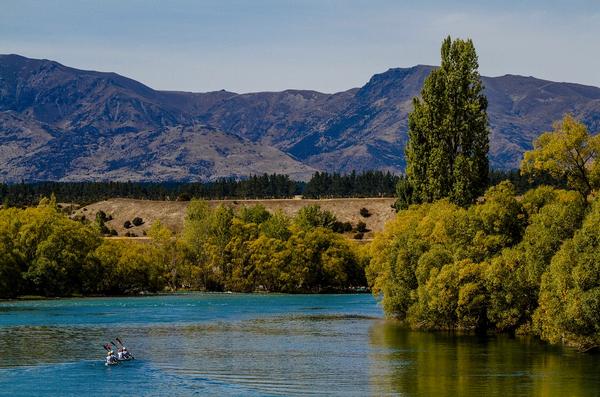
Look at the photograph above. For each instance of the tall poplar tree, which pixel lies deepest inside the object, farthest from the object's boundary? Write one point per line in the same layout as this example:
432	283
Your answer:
448	132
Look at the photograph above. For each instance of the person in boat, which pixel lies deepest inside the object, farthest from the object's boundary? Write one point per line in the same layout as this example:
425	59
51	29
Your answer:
110	357
120	354
126	355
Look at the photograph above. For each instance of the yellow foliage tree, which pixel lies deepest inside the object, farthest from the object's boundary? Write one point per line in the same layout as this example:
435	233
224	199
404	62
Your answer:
569	151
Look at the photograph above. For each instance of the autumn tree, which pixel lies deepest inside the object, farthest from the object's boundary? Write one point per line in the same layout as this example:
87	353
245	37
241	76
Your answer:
568	151
448	131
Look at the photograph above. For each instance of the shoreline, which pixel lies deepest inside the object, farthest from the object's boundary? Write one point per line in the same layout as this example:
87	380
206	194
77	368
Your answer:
26	298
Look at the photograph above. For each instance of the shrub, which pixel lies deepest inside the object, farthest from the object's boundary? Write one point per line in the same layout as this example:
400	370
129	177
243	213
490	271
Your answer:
341	227
113	232
127	225
364	212
103	229
359	236
137	221
361	227
313	216
101	216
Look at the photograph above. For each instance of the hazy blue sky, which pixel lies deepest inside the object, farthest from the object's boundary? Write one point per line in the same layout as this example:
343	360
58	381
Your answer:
327	45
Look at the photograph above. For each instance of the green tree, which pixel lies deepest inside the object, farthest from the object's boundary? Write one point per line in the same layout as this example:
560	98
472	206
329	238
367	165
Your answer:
312	216
569	302
569	151
167	252
277	226
12	262
448	132
254	214
196	239
404	194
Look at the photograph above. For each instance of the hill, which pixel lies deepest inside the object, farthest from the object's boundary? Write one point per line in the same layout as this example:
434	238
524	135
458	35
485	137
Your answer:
172	213
60	123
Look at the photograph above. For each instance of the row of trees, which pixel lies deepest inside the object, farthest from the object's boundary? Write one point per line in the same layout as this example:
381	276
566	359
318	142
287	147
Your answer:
263	186
366	184
43	252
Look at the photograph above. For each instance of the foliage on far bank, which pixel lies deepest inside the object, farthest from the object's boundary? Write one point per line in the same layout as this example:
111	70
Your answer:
43	252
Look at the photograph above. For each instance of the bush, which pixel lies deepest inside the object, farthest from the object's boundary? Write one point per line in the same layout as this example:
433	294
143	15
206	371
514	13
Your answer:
313	216
342	227
361	227
364	212
101	216
359	236
137	221
127	225
183	197
103	229
113	232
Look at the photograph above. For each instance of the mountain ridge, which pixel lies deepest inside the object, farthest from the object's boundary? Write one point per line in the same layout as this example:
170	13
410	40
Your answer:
54	120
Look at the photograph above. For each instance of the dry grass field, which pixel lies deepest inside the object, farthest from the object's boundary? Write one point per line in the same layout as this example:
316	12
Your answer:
172	213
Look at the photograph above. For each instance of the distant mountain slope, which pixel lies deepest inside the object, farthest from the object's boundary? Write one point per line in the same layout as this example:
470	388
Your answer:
62	123
59	123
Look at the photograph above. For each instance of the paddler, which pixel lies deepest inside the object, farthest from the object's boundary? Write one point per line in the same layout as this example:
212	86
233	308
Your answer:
110	357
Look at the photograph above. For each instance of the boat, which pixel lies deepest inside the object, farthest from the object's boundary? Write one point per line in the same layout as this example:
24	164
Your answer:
111	358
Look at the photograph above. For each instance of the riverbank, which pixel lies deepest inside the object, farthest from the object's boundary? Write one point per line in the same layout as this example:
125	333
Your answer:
347	291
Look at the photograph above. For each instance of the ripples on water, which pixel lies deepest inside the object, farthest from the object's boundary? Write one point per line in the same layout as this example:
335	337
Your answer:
207	344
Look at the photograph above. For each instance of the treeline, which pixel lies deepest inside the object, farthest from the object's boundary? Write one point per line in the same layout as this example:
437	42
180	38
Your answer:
258	187
366	184
524	266
43	252
275	186
522	182
321	185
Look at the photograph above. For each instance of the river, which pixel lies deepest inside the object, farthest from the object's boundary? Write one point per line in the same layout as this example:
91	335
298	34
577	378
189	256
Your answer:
266	345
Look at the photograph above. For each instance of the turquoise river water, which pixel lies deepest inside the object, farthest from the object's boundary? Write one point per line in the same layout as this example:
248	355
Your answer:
266	345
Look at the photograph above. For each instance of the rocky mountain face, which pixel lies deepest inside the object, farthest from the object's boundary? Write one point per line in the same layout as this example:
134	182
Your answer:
60	123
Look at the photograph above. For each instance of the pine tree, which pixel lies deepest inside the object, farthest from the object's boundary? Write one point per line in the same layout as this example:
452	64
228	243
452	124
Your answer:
448	130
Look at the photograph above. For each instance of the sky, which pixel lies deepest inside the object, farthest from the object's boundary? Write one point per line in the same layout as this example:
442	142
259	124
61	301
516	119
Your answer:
325	45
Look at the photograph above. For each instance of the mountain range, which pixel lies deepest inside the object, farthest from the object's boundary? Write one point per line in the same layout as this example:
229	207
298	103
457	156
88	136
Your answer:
61	123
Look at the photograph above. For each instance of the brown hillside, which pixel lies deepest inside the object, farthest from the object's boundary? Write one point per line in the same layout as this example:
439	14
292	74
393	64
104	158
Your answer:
172	213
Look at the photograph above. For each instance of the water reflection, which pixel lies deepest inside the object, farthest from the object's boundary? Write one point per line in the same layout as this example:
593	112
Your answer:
439	364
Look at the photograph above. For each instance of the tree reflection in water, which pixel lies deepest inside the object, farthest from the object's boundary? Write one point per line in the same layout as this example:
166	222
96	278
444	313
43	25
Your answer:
436	364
